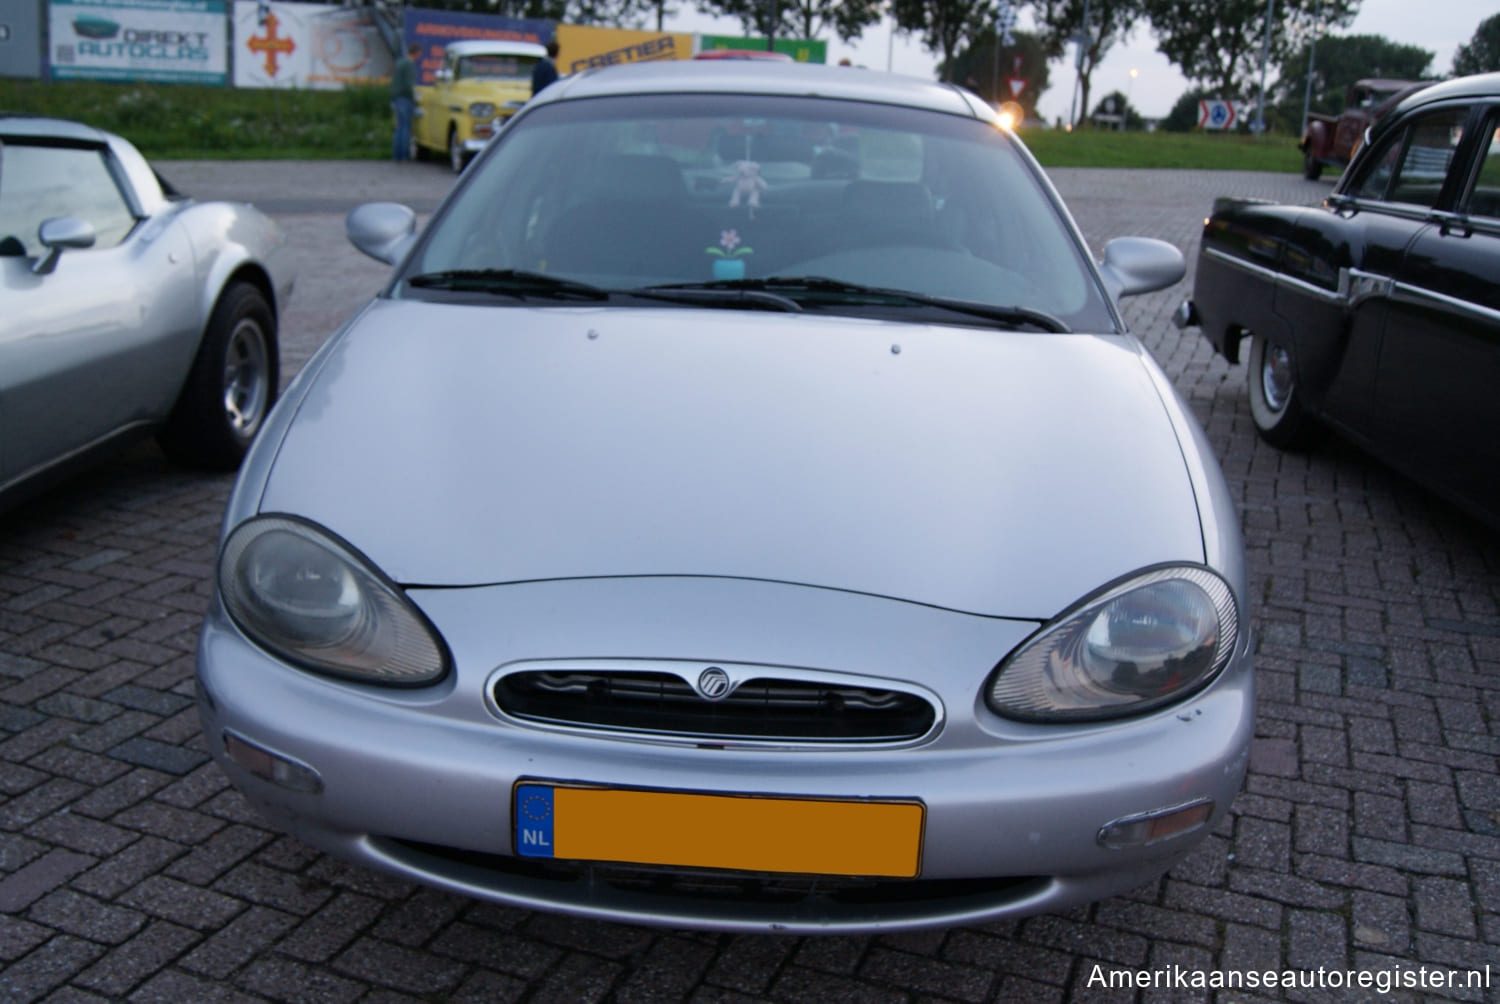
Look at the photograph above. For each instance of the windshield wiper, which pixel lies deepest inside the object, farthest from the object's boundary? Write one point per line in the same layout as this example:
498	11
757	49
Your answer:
789	286
507	282
714	294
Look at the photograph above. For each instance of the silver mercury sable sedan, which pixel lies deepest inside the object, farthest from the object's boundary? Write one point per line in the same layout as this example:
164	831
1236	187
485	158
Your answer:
744	509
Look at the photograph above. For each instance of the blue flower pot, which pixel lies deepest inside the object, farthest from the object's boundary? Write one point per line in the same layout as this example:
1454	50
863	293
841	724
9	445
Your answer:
729	268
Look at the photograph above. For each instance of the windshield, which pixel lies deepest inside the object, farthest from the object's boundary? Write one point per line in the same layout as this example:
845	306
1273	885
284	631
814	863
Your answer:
634	192
494	67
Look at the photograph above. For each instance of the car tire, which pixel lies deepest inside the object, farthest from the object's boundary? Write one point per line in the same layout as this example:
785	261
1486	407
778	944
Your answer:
456	156
231	386
1312	167
1275	400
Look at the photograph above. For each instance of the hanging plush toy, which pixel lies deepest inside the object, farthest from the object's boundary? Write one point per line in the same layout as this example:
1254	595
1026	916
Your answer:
748	184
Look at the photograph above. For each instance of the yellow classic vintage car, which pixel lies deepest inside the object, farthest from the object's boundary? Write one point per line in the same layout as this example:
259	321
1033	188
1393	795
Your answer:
478	87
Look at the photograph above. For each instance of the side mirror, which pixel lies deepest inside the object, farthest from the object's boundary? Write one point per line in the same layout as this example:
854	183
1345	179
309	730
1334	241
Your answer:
383	230
1135	265
58	233
442	74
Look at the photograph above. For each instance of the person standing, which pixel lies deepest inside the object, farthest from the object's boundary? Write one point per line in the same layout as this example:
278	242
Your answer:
545	71
404	100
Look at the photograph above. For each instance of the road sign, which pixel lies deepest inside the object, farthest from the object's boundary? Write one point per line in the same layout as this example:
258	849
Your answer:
1213	114
1016	85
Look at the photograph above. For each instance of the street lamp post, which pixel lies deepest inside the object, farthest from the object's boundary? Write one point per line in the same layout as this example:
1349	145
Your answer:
1312	48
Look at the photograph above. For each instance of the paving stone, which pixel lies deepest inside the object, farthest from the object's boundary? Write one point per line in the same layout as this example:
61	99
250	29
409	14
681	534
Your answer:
46	968
234	944
285	980
492	949
135	961
86	917
32	881
389	965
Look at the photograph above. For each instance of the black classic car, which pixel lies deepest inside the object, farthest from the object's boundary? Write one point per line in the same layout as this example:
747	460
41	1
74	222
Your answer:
1378	312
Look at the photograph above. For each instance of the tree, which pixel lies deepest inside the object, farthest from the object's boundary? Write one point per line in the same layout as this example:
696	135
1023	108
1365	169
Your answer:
1116	103
801	18
1109	21
1482	54
1184	114
944	24
846	18
660	8
1218	43
976	68
1339	61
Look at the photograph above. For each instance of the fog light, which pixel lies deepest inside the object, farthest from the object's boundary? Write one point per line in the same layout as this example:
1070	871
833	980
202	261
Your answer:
271	766
1153	827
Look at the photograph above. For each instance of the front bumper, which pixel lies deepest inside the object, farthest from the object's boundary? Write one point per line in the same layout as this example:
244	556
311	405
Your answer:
418	783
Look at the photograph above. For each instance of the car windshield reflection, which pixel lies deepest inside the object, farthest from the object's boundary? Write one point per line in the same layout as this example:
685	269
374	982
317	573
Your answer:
650	191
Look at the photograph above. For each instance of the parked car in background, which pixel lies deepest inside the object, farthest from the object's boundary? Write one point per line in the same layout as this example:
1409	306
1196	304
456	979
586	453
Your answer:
689	536
126	308
478	87
1377	313
1330	140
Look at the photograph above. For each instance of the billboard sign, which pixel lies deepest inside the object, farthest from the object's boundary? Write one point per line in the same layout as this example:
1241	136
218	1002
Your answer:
434	29
306	45
167	41
21	38
587	48
803	50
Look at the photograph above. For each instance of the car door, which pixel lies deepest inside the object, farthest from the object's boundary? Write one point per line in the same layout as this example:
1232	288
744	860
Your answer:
1336	269
75	363
1440	350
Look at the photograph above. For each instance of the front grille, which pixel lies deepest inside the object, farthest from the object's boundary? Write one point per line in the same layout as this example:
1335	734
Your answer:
760	709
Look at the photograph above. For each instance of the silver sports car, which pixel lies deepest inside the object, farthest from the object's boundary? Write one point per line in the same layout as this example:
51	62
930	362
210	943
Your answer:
744	509
125	308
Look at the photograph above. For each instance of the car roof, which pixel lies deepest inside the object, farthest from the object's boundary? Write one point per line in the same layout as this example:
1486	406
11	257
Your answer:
1481	85
756	76
495	47
42	127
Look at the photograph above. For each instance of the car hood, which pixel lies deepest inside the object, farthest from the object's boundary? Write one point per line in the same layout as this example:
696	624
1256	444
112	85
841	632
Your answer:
999	473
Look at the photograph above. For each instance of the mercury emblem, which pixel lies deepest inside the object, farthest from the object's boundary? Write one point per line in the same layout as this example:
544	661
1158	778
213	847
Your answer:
713	683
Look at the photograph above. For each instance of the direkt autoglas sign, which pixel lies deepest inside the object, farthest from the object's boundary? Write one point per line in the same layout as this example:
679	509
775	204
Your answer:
181	41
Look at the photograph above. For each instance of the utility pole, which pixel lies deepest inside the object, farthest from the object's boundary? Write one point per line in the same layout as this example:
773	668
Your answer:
1259	125
1312	48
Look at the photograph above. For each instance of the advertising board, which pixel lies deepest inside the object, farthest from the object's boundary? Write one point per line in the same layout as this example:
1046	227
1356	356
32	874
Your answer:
434	29
306	45
586	48
165	41
803	50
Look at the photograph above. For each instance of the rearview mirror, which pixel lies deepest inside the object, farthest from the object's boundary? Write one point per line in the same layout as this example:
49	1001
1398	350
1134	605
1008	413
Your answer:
383	230
1135	265
58	233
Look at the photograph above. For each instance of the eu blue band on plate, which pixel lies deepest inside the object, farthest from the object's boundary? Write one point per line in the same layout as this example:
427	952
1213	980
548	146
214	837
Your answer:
534	817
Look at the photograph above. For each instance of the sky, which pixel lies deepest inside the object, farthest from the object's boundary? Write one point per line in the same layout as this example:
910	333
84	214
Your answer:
1439	26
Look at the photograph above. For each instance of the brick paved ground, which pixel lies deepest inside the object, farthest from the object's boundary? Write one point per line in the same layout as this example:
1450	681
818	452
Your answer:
1368	834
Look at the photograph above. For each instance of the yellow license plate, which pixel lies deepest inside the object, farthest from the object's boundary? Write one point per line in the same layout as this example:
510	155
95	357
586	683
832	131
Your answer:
756	833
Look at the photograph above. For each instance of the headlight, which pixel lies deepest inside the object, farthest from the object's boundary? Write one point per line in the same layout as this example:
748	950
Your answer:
1147	642
481	110
300	592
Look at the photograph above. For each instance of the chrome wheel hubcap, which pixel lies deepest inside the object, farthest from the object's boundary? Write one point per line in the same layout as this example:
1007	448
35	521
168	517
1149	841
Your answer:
1276	377
246	377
